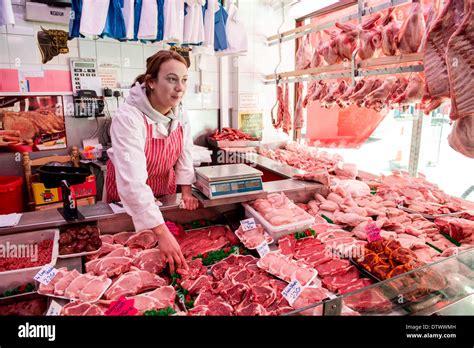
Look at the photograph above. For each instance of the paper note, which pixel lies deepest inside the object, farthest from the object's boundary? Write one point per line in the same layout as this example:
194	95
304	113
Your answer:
46	274
54	309
373	232
292	292
248	224
121	307
263	249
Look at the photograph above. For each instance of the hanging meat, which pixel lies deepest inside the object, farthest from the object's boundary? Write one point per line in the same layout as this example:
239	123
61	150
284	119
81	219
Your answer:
281	107
436	69
377	98
304	54
346	40
286	126
413	92
411	32
389	30
370	37
310	90
299	120
317	60
369	85
336	90
461	138
329	49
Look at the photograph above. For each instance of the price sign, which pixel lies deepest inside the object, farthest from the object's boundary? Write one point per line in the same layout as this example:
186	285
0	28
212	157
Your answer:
292	292
121	307
248	224
46	274
263	249
54	309
373	232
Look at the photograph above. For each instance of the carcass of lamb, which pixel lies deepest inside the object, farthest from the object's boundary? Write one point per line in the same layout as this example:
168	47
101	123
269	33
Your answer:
304	54
413	91
346	40
389	30
317	60
461	138
370	37
329	49
378	97
412	30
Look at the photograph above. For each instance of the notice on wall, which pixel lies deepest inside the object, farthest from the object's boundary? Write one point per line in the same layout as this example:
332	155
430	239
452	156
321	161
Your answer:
251	123
108	78
248	101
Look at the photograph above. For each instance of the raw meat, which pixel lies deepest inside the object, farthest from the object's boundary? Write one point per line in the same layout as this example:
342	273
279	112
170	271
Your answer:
309	296
389	30
231	134
252	309
61	286
254	237
144	239
92	290
341	279
346	40
44	253
122	237
461	230
304	53
461	138
355	285
281	266
370	37
317	60
132	283
331	267
110	266
74	289
329	49
371	300
413	92
411	31
149	260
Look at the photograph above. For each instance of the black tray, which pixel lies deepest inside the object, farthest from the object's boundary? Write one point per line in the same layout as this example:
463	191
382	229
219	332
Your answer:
52	176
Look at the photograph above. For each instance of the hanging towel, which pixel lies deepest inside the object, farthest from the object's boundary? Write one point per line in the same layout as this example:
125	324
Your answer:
235	32
75	22
128	18
148	27
211	7
115	24
174	21
93	17
193	22
161	20
6	12
220	37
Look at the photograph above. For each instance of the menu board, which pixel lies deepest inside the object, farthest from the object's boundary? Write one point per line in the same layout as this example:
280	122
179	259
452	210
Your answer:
251	123
37	120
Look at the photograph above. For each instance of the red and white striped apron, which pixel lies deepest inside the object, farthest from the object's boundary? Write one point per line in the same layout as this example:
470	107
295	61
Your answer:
161	157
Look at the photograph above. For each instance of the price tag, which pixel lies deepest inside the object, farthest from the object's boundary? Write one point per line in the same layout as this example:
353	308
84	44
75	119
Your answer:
373	232
46	274
54	309
292	292
121	307
248	224
263	249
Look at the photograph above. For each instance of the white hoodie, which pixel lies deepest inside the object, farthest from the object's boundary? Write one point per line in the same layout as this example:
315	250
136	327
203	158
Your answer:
128	133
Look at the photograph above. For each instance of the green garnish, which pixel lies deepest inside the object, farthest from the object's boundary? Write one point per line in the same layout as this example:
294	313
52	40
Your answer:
160	313
304	234
327	219
212	257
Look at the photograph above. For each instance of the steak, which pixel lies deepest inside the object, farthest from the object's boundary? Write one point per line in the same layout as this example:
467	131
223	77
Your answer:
341	278
149	260
144	239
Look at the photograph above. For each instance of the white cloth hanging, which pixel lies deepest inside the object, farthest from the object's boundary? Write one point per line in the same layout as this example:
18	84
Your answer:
235	31
6	12
148	27
212	8
193	22
174	20
129	17
93	16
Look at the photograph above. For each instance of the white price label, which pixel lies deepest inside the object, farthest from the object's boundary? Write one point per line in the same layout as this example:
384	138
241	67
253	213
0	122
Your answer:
54	309
292	291
248	224
46	274
263	249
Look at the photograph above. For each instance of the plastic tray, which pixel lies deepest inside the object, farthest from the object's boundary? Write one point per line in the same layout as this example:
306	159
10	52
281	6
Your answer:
29	238
84	253
267	237
109	282
278	231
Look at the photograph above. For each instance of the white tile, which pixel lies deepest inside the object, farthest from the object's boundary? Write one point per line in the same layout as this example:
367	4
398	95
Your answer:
55	67
108	54
193	80
23	50
129	75
211	79
64	58
211	64
210	100
5	66
87	49
151	49
132	56
28	67
192	101
21	28
4	56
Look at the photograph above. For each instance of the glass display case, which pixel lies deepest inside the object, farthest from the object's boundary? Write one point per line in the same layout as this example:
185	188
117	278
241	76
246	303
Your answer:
445	287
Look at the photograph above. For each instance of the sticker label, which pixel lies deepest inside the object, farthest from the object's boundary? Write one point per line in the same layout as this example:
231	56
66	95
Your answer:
292	291
248	224
46	274
54	309
373	232
121	307
263	249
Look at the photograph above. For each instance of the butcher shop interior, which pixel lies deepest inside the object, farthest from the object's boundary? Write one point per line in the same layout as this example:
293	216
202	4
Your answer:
237	158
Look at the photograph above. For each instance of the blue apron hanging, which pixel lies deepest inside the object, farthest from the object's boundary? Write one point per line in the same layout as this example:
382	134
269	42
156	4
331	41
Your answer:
161	19
75	19
115	24
220	36
138	13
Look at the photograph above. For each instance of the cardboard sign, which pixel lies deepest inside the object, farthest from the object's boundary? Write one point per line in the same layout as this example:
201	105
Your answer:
248	224
121	307
373	232
263	249
46	274
292	291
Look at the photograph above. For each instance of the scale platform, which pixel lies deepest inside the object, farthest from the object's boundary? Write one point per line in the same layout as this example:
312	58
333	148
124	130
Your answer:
228	180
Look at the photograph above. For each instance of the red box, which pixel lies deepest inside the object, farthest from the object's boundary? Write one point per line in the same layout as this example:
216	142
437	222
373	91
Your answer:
86	189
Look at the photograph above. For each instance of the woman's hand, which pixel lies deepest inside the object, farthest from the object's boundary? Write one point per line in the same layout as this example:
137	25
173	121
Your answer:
9	137
170	249
190	202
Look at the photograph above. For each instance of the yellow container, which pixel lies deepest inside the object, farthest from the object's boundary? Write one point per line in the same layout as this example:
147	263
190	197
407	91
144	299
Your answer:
42	195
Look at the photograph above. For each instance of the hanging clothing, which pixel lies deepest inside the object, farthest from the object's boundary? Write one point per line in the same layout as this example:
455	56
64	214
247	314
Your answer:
220	36
210	9
94	16
136	20
148	25
6	12
150	155
174	21
128	12
235	32
115	24
75	22
193	22
159	34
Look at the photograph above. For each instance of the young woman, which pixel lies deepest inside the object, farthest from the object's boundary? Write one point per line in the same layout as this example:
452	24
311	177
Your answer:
151	150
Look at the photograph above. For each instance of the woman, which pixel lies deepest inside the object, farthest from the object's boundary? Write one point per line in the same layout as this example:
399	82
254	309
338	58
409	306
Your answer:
151	150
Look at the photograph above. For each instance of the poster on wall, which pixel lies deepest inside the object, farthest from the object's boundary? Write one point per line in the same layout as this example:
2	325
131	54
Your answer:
37	120
251	123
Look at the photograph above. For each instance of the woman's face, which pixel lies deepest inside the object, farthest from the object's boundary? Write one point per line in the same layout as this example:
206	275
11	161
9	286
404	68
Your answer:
168	89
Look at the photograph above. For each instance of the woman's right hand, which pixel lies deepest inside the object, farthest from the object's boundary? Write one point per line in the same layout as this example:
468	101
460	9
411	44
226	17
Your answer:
170	249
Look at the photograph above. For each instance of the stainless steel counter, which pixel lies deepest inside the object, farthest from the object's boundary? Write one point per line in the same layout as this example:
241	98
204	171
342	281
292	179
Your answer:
271	165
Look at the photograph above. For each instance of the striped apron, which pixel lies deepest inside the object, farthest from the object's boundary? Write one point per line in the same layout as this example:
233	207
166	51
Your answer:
161	157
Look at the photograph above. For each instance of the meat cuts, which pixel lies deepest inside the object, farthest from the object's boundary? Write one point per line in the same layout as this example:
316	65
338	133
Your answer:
287	269
144	239
35	307
230	134
317	60
299	118
413	92
79	239
16	260
304	53
370	37
461	138
254	237
461	230
110	266
346	40
133	283
149	260
412	30
389	30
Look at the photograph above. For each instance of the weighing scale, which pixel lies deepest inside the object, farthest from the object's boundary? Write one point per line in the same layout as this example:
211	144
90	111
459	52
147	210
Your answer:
228	180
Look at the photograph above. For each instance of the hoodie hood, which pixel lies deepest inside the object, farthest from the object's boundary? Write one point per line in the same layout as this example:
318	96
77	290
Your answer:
138	99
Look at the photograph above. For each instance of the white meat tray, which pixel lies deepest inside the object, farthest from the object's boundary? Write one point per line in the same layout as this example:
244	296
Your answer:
84	253
108	282
278	231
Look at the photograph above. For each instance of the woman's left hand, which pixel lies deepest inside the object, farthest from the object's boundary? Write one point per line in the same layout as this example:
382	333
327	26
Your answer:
190	202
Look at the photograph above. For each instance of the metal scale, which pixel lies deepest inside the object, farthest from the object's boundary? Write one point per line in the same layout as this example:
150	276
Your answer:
228	180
